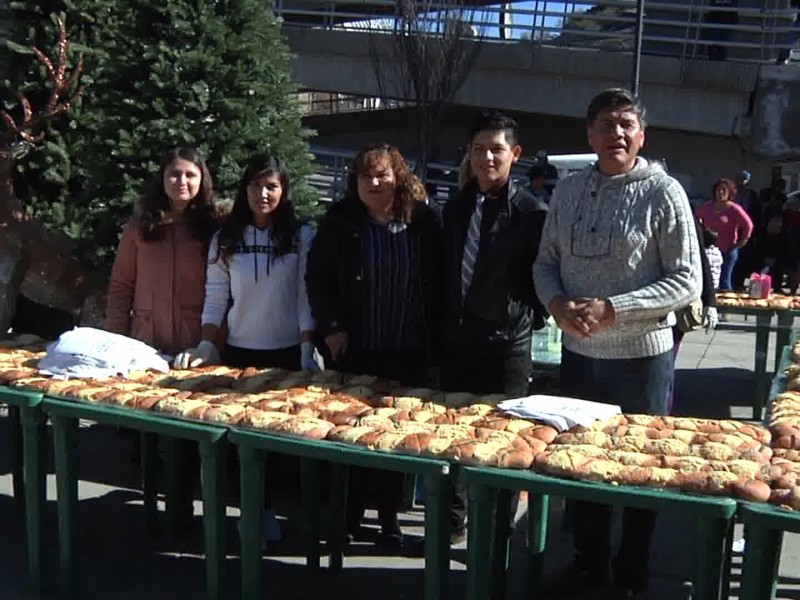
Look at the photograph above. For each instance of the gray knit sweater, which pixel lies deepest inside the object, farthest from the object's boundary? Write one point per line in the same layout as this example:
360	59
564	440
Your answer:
630	239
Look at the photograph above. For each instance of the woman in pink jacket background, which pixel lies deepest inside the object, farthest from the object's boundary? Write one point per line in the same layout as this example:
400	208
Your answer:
731	224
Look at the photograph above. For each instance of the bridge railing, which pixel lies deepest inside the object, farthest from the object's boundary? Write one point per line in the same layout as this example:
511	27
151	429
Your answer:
755	30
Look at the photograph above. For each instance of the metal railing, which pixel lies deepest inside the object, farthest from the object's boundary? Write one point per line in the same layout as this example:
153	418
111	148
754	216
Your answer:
753	31
332	166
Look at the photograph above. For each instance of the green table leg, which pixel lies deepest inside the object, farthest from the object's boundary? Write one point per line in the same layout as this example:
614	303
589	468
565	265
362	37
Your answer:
65	448
212	456
176	500
251	470
500	543
337	522
149	453
17	461
33	435
538	510
708	561
782	335
727	557
761	559
479	546
309	482
762	346
438	500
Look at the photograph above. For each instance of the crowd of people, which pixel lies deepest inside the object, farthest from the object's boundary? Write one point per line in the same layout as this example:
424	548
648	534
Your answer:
389	286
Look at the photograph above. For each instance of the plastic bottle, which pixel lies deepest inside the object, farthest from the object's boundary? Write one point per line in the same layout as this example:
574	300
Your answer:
755	285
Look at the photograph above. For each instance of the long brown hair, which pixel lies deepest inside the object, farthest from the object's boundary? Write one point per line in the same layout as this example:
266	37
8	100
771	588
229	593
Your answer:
154	203
408	190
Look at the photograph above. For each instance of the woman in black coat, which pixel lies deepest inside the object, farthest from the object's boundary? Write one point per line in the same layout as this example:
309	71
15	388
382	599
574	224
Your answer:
374	285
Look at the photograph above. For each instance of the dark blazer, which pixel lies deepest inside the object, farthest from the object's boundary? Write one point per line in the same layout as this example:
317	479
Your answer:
501	305
334	271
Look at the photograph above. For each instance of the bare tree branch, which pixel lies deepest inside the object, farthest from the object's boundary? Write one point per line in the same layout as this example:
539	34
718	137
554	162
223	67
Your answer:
425	60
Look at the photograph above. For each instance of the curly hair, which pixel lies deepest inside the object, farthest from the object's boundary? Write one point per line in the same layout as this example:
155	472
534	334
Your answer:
409	189
154	203
284	223
728	185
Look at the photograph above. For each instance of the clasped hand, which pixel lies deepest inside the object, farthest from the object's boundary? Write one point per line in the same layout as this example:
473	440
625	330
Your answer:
582	317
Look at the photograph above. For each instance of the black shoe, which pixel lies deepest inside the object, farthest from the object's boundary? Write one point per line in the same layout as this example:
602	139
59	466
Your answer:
575	582
622	593
391	540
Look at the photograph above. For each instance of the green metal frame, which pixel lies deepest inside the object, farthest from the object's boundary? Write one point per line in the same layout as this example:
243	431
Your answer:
487	553
29	477
784	331
765	525
762	329
65	414
438	496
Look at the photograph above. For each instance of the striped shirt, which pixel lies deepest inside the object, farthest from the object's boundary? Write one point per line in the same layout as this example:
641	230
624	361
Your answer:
393	310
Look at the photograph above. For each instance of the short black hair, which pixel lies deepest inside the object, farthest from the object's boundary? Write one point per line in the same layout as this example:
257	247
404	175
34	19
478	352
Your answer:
492	120
536	172
616	99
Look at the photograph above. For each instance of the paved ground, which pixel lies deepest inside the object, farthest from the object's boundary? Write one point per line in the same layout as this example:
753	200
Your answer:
118	562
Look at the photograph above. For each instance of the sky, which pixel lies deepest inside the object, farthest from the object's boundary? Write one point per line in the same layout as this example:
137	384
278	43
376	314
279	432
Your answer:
524	20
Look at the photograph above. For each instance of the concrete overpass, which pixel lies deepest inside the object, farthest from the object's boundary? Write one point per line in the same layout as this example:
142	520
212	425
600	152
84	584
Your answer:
745	108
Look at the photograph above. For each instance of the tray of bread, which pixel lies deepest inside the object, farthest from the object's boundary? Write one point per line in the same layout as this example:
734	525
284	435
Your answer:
743	300
719	457
373	413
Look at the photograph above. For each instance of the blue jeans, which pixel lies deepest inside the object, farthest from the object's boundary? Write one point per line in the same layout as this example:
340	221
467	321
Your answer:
729	259
637	385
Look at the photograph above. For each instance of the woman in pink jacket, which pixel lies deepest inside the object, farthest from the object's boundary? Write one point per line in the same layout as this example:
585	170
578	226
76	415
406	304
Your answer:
731	224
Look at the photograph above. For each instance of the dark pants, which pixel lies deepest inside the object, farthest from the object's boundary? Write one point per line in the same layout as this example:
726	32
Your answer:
729	259
282	358
383	489
483	374
638	385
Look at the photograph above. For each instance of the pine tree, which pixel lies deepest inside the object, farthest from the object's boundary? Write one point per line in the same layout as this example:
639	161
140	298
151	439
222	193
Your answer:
160	73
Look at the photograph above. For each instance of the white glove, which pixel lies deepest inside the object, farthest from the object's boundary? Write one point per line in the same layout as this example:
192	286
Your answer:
309	358
206	353
710	318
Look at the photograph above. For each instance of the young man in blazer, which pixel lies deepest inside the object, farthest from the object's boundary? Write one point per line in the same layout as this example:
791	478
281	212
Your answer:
492	228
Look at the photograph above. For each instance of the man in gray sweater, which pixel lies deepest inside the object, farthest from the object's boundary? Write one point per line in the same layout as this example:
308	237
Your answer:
619	254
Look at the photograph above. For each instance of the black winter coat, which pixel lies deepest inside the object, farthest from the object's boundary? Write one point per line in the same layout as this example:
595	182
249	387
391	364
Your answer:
334	272
501	307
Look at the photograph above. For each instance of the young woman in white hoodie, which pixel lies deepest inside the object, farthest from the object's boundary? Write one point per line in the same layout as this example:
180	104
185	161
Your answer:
256	274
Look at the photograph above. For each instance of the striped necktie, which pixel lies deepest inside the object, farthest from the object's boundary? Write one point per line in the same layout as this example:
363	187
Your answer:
471	245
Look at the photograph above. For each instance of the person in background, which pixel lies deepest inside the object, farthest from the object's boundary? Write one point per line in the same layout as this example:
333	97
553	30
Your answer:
746	196
774	245
257	266
731	224
749	259
550	172
157	283
374	275
711	265
536	177
713	256
619	255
